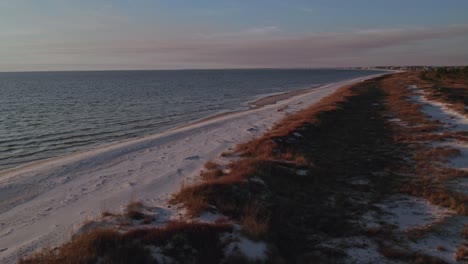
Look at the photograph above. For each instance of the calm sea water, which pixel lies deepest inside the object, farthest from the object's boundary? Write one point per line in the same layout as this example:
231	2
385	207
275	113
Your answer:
47	114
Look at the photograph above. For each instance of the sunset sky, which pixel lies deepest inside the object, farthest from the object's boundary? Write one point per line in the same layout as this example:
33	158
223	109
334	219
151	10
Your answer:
174	34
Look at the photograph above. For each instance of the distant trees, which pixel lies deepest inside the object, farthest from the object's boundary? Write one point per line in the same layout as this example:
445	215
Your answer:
445	72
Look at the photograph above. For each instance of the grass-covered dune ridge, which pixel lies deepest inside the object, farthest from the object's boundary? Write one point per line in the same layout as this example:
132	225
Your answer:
364	175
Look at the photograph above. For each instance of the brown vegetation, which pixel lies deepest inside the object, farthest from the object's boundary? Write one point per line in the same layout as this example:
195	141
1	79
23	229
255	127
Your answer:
181	241
307	180
345	136
447	86
340	139
211	165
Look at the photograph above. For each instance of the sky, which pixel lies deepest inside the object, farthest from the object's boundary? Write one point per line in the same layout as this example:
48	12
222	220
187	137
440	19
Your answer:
50	35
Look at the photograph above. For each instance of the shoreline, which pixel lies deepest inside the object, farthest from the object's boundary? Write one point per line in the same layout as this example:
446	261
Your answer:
29	145
42	203
262	101
273	99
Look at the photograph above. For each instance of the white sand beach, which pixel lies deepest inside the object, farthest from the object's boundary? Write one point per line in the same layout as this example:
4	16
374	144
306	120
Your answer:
42	204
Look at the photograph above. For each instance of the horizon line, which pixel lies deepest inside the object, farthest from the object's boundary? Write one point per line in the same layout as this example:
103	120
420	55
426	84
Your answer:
237	68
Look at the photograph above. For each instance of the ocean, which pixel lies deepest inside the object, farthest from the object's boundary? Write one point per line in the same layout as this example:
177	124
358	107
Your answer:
49	114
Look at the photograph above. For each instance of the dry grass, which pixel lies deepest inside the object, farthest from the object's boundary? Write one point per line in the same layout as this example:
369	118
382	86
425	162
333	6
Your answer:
390	246
465	232
108	214
106	244
225	192
447	88
435	154
211	174
179	240
211	165
427	164
193	198
133	210
409	257
335	140
441	248
462	252
418	135
255	221
263	147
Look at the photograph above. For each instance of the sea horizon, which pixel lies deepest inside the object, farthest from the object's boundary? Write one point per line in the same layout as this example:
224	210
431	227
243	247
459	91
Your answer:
199	69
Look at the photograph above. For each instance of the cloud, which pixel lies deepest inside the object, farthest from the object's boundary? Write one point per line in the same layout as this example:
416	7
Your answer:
268	47
275	51
253	32
261	30
304	50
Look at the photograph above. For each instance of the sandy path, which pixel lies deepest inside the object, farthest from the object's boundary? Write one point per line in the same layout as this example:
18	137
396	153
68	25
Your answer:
42	204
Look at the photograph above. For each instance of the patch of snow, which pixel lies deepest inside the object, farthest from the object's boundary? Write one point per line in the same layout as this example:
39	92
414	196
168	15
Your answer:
301	172
367	252
209	217
298	135
408	212
257	179
459	185
359	249
461	161
157	254
443	241
452	120
251	249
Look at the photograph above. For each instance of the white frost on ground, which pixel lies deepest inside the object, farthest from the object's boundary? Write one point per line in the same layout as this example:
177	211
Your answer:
408	212
394	120
253	250
460	185
460	161
157	254
257	179
443	241
301	172
42	202
452	120
298	135
359	249
209	217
